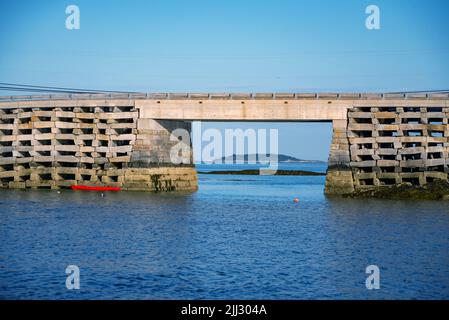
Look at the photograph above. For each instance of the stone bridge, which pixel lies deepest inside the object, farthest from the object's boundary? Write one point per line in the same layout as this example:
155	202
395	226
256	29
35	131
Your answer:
55	141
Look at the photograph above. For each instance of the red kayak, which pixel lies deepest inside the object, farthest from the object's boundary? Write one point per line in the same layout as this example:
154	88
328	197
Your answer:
89	188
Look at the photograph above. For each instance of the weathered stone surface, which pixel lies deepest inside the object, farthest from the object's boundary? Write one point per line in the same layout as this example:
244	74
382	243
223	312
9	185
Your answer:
408	152
436	190
401	147
58	151
339	181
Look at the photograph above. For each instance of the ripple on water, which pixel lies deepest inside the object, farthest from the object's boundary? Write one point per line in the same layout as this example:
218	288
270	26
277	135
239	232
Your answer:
232	239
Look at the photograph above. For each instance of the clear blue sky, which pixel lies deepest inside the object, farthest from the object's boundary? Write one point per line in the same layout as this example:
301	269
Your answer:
230	45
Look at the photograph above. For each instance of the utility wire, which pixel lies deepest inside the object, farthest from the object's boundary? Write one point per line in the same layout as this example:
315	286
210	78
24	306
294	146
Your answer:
423	91
34	88
5	86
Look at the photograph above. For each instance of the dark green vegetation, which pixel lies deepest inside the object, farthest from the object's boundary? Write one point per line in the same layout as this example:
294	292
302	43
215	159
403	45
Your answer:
436	190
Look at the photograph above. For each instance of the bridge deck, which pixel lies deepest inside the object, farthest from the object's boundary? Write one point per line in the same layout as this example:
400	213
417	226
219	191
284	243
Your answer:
231	96
234	106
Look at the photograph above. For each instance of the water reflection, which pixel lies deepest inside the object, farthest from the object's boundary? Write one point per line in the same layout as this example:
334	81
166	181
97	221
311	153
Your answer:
243	239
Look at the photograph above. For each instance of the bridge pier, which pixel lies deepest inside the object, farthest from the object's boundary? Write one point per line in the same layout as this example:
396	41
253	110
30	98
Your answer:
387	145
151	167
339	179
106	144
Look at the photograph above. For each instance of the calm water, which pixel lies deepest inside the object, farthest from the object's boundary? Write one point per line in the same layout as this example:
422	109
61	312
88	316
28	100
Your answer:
238	237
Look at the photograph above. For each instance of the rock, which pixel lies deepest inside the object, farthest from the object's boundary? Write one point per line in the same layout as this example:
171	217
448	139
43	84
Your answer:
436	190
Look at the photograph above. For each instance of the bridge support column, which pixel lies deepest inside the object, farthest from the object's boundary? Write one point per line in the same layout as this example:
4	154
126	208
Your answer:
339	179
151	167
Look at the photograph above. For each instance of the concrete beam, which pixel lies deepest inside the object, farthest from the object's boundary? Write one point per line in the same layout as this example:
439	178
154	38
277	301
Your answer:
244	110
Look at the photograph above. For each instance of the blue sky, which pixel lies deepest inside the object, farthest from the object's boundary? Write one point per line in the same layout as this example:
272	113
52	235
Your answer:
256	46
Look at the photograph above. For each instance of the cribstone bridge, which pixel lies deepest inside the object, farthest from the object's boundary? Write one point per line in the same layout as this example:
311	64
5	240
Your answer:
125	139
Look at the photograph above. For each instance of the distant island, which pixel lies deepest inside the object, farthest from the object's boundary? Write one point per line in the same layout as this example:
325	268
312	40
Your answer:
266	172
282	158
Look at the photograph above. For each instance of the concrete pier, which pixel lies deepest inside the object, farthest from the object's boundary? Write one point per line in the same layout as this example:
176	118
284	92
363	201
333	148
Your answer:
125	139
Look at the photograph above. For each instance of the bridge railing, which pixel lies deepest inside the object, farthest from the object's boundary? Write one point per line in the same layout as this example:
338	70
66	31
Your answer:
226	96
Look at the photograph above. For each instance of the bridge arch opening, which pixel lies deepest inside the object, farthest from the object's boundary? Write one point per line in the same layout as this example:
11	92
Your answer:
300	146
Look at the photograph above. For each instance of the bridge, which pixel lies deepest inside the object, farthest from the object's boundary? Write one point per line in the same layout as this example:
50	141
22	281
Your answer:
55	141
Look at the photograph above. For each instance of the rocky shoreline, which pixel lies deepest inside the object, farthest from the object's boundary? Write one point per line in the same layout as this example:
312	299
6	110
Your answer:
436	190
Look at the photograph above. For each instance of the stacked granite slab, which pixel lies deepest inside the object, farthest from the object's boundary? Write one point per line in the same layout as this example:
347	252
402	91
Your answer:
57	147
339	178
393	145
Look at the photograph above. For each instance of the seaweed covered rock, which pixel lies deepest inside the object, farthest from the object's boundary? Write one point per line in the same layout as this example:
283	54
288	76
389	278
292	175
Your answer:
435	190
